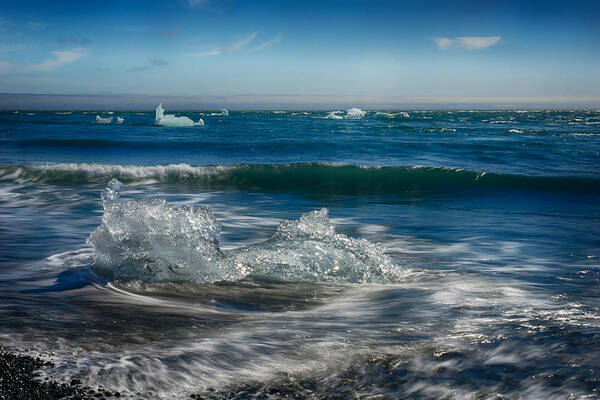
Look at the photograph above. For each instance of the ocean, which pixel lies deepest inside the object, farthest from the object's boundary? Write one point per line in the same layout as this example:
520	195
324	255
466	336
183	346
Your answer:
304	254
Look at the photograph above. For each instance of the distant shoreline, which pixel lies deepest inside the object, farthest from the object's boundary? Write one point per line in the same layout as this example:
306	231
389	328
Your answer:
140	102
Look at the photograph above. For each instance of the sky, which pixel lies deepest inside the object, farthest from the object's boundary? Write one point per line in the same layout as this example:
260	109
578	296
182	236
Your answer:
311	51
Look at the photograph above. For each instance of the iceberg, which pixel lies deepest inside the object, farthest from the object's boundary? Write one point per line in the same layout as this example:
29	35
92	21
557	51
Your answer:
381	114
354	113
334	115
171	120
103	121
151	241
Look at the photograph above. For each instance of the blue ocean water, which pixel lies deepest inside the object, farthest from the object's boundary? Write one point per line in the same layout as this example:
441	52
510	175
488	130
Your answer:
457	256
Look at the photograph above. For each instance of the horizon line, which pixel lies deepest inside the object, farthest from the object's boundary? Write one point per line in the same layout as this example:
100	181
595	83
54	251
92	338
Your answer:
134	101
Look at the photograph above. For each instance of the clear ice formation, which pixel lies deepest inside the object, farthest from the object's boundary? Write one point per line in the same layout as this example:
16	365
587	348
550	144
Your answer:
170	120
151	241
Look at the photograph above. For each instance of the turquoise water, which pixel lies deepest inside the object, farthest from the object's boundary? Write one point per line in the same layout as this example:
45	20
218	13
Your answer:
458	255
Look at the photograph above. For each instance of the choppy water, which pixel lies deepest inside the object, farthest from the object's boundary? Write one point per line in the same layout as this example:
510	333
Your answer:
460	257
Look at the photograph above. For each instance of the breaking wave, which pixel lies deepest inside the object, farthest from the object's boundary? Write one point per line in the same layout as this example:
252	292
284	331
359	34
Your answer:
313	177
170	120
151	241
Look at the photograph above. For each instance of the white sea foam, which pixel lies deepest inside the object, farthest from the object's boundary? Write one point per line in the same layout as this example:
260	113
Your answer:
515	131
103	121
120	120
224	112
170	120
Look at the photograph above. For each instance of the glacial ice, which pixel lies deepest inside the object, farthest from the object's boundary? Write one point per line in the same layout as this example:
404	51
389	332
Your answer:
171	120
334	115
355	113
352	113
308	249
104	121
381	114
152	241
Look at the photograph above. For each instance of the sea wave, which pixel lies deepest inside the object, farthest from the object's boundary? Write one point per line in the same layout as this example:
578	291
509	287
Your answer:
314	177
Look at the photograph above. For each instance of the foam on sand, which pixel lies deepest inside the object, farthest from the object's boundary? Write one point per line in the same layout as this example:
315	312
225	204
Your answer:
171	120
103	121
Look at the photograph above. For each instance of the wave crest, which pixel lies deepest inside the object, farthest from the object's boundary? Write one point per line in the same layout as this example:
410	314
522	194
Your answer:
313	177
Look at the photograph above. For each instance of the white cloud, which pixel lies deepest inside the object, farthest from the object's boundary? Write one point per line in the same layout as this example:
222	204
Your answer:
467	42
443	42
59	59
475	43
276	40
229	47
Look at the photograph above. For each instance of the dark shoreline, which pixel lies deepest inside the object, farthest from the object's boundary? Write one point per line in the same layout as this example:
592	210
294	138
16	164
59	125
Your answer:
19	380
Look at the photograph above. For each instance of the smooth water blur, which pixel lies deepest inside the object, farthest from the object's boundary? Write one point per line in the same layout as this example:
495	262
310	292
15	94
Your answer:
492	221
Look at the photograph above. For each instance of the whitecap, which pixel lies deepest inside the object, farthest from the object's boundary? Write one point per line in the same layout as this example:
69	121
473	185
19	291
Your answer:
120	120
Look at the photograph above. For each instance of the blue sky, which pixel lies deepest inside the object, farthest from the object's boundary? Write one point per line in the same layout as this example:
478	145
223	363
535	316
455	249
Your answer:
372	49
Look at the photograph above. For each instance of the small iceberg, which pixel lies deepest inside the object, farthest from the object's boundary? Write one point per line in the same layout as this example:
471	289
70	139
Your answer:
355	113
381	114
334	115
171	120
352	113
103	121
152	241
120	120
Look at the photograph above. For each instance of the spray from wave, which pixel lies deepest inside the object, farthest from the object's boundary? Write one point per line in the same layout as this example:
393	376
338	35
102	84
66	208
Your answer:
170	120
